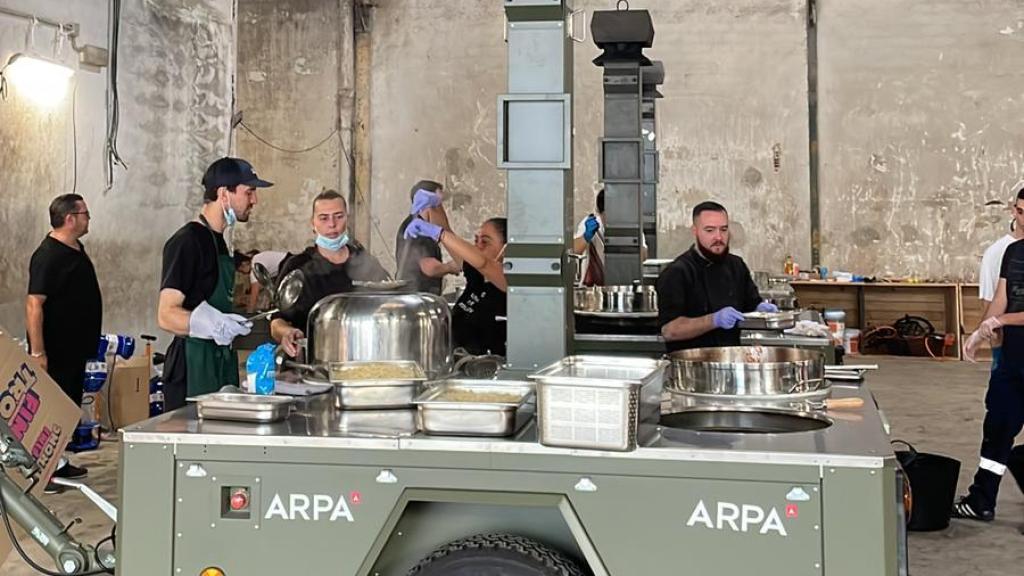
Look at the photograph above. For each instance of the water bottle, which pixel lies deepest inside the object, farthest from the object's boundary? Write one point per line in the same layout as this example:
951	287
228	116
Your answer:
259	370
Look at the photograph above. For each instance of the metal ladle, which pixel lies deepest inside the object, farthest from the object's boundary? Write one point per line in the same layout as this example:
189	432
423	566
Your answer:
287	293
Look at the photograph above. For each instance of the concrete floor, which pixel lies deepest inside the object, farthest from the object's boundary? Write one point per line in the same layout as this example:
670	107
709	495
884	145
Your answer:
935	405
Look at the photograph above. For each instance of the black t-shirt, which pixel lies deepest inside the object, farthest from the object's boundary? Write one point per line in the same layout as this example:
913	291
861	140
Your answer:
1012	271
473	318
694	286
73	309
323	278
191	262
408	254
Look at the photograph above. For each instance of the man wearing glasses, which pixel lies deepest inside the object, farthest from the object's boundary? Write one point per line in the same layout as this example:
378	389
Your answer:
64	309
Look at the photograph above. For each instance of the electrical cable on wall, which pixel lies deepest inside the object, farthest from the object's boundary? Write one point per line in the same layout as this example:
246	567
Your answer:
113	103
269	144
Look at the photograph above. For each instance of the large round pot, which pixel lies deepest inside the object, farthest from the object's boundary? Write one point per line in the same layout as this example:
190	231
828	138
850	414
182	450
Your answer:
751	371
375	326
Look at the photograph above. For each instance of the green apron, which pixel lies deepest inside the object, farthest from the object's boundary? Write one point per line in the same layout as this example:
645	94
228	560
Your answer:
210	366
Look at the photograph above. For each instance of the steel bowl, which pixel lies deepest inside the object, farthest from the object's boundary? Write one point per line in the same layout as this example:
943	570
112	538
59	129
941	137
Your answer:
621	299
747	371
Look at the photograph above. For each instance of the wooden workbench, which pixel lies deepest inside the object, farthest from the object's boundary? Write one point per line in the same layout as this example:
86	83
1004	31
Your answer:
871	304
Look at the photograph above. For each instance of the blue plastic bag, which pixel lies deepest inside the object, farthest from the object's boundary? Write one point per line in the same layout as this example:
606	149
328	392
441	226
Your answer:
259	370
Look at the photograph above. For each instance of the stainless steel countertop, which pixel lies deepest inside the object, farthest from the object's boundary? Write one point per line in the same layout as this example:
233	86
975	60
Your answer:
856	438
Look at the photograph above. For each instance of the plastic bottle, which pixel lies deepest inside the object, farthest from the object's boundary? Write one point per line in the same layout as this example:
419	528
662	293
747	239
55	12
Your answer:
259	370
787	265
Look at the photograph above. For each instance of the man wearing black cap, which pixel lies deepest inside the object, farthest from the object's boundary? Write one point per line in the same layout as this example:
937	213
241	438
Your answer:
197	283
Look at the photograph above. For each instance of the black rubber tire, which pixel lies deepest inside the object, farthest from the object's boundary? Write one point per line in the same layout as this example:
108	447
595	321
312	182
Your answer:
496	555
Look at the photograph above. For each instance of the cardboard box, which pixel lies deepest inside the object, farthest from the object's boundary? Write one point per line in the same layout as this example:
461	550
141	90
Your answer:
38	412
128	390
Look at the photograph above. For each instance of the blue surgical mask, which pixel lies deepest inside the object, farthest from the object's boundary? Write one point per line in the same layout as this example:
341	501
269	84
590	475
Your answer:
229	216
332	244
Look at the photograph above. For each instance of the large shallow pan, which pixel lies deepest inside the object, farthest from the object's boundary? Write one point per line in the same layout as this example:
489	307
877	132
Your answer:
748	371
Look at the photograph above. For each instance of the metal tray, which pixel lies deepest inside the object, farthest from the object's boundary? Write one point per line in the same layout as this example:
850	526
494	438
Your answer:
602	371
374	393
242	407
375	423
615	315
467	417
768	321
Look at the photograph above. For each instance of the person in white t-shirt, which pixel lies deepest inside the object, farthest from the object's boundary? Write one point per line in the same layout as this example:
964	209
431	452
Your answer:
590	233
991	262
271	260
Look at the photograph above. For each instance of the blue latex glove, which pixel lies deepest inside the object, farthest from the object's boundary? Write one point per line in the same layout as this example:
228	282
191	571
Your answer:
767	307
727	318
422	229
590	228
424	200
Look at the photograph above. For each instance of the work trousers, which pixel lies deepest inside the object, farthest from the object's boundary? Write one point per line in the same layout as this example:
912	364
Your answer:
1004	418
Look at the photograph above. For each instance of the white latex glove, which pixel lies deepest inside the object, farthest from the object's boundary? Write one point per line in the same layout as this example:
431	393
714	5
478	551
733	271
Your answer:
972	345
208	323
989	326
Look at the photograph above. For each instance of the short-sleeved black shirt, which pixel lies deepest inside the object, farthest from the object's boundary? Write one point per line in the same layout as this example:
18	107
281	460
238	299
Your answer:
1012	271
408	254
323	278
191	264
73	309
474	323
694	286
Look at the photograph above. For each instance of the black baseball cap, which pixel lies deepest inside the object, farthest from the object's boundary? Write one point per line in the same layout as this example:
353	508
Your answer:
232	172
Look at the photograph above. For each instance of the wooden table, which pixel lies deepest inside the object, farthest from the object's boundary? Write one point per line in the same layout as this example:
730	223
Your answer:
871	304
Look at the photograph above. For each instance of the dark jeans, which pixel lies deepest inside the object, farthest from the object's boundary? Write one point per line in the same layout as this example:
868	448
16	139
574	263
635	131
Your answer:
1004	418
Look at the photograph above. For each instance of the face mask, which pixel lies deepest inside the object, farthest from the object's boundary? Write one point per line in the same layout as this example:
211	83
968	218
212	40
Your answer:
229	216
332	244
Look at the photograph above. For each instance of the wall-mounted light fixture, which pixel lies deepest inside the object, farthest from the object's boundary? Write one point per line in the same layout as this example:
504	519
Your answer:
41	80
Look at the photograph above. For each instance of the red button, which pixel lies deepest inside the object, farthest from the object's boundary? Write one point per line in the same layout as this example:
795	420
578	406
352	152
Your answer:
239	501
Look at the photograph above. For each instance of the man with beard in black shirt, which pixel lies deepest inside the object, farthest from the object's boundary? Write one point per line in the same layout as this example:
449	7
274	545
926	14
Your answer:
703	294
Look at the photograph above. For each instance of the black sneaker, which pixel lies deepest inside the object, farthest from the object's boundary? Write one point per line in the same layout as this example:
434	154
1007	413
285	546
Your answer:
968	509
52	488
71	472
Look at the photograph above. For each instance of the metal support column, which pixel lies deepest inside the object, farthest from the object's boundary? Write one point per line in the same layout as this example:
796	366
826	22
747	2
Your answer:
622	35
535	148
651	77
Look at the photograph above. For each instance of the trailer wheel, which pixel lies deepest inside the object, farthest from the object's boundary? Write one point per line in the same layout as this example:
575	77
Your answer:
495	555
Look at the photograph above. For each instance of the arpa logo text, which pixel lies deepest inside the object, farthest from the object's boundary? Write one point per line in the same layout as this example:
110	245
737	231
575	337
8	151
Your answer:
309	507
737	518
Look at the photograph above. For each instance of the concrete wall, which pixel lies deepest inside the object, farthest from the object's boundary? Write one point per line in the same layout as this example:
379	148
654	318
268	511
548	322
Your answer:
736	85
294	89
37	147
920	125
177	62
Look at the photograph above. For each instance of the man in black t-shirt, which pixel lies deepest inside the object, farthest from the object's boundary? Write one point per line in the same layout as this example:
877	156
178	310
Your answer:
197	284
64	308
419	259
703	294
1004	401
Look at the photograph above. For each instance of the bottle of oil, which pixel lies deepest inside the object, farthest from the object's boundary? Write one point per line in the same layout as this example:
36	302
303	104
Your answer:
787	265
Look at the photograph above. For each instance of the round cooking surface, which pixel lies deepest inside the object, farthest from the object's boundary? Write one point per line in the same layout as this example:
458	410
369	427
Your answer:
743	421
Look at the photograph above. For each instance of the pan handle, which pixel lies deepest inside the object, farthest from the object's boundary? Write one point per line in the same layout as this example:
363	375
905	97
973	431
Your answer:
841	403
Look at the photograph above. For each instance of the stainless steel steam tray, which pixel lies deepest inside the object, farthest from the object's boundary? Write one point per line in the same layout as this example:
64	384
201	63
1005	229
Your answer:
473	407
375	385
613	371
242	407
